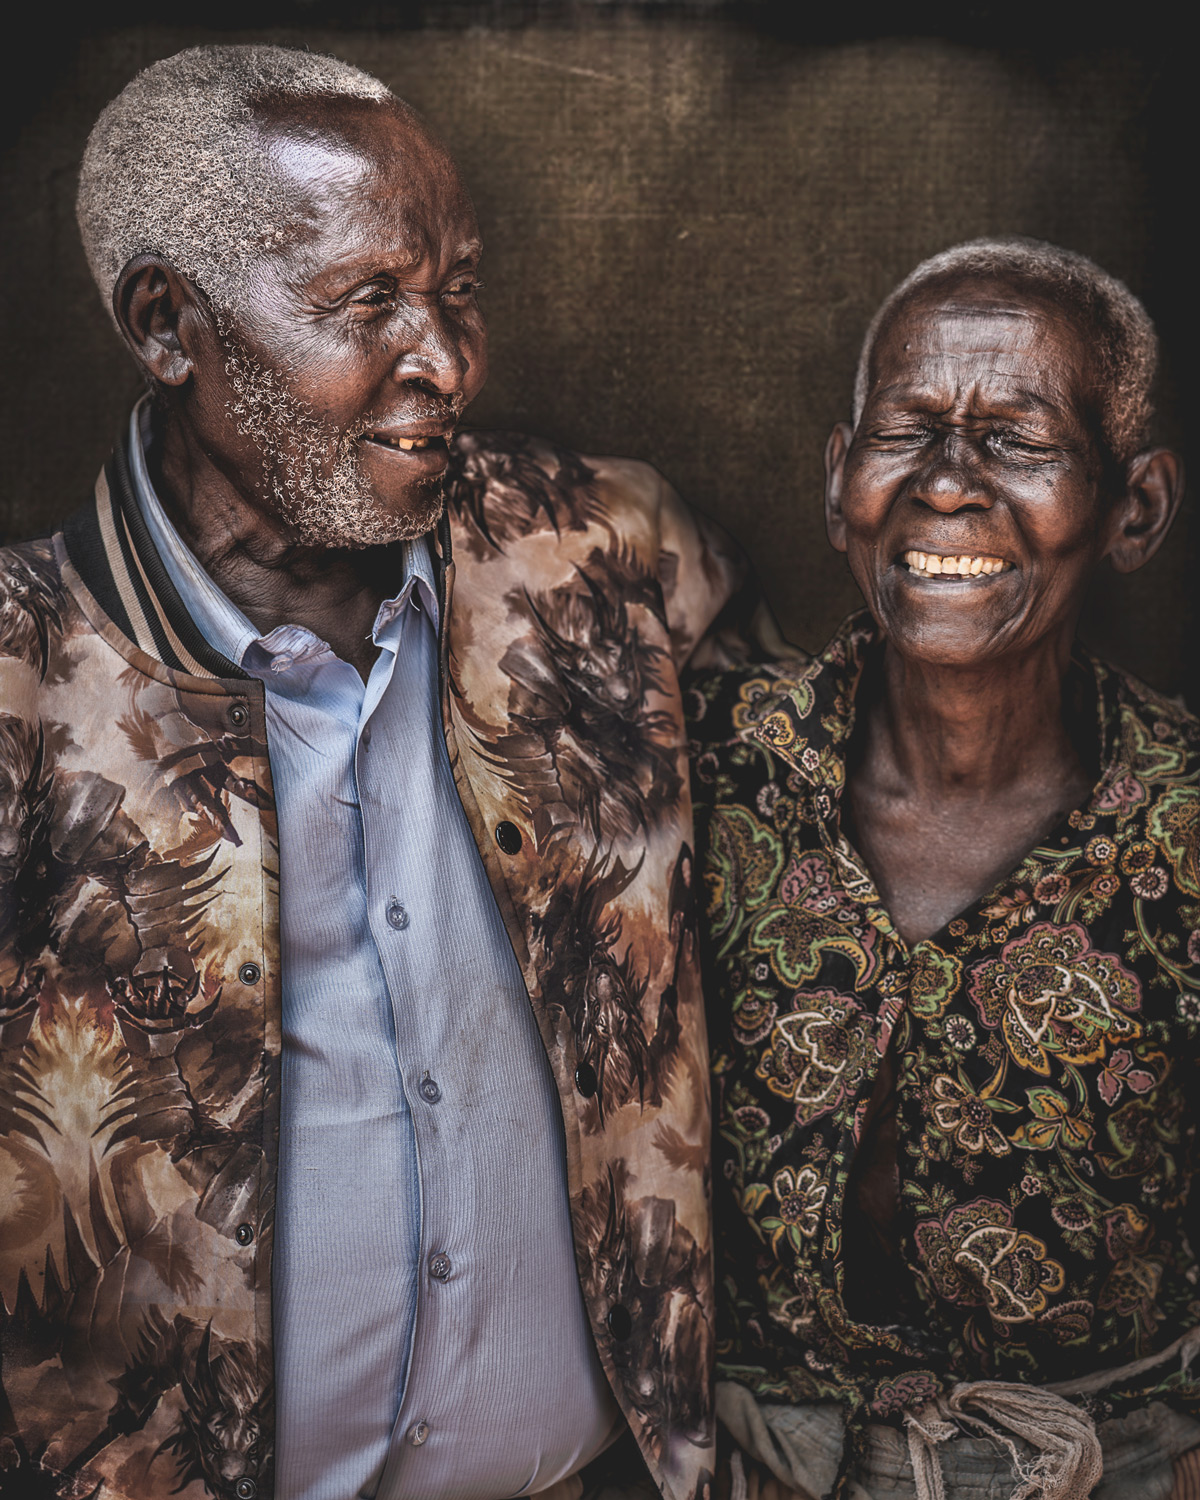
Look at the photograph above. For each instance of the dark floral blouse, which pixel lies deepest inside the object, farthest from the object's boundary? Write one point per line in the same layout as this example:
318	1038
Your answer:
1046	1043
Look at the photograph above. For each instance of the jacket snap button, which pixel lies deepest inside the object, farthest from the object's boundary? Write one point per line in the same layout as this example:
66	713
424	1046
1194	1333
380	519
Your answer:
239	717
244	1234
249	973
508	836
585	1079
245	1489
620	1324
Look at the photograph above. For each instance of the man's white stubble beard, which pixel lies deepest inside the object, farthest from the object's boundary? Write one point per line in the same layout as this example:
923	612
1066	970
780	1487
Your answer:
312	471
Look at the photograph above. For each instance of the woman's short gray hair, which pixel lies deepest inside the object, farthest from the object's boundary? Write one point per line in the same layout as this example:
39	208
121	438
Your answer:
174	166
1119	329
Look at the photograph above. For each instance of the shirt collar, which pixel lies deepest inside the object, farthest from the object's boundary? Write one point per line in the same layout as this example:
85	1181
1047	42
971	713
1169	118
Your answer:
221	622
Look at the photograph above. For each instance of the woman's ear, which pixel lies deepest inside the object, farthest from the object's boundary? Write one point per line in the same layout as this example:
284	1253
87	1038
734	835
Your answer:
835	464
1142	518
151	302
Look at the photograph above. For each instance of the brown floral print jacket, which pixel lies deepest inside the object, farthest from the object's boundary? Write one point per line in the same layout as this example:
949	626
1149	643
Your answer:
139	962
1046	1043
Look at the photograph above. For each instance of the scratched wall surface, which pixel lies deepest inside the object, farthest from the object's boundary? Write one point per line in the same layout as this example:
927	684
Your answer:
688	224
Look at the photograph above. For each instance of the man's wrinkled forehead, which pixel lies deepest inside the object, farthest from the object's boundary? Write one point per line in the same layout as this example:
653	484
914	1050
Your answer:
360	161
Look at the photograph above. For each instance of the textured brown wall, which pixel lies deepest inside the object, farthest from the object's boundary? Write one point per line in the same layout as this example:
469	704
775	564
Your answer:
688	224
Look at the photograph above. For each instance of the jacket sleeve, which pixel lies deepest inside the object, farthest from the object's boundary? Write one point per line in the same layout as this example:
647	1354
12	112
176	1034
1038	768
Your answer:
716	611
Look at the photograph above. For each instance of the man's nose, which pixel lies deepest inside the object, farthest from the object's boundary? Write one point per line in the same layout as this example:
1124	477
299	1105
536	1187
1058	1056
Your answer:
953	478
433	352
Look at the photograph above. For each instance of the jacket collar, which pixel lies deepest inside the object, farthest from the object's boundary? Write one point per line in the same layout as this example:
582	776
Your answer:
110	547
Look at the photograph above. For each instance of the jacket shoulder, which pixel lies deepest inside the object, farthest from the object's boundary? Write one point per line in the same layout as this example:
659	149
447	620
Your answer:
504	487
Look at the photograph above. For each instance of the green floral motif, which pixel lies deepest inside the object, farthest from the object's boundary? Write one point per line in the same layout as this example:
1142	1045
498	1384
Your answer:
743	866
800	1196
1174	825
1054	1123
935	976
796	942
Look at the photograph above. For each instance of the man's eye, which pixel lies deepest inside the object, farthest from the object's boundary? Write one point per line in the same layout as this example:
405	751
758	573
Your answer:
375	295
460	292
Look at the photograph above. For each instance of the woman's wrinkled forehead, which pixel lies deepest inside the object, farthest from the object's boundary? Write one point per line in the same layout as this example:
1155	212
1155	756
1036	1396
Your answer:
990	331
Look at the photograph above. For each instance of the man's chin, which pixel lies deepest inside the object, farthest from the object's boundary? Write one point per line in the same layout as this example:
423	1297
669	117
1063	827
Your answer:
355	522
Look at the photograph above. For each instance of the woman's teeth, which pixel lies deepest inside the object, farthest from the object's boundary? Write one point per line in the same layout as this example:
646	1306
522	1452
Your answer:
934	565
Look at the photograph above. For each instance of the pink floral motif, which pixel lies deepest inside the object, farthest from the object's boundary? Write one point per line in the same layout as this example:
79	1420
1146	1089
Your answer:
1051	888
807	883
904	1393
1052	994
1121	795
976	1256
1150	885
1118	1072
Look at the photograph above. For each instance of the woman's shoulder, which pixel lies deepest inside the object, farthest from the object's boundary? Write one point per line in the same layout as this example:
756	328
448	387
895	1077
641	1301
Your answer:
1152	733
721	706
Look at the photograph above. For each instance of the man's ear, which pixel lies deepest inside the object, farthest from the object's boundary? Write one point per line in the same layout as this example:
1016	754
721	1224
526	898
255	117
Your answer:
156	309
835	465
1143	516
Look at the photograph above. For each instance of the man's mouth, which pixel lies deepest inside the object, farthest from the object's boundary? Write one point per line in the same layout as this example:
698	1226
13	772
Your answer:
954	565
407	444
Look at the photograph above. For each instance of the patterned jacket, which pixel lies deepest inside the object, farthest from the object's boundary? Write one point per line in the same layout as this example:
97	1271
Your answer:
139	961
1047	1042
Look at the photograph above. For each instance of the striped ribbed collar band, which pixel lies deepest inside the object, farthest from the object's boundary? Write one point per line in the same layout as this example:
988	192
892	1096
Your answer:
111	549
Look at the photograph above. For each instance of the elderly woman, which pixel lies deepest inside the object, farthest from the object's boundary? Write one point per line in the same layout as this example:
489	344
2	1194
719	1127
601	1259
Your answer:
953	877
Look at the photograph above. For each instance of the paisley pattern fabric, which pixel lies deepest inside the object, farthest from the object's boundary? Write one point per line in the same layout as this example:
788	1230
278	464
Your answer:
139	969
1046	1043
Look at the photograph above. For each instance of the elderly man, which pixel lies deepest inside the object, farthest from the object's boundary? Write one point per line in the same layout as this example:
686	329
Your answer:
954	906
345	841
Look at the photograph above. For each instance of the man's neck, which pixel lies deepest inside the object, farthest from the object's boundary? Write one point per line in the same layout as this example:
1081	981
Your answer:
252	557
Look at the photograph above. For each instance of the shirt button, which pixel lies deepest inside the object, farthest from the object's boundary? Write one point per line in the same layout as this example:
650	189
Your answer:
428	1090
417	1433
585	1079
439	1266
245	1489
244	1234
397	917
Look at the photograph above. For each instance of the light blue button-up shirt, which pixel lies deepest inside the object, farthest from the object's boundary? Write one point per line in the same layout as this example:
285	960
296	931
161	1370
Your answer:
431	1340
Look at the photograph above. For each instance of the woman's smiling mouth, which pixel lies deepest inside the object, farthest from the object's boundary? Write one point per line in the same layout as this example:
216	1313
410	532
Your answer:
954	566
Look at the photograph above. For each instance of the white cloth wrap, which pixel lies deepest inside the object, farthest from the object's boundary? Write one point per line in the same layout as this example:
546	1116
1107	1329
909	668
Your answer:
985	1440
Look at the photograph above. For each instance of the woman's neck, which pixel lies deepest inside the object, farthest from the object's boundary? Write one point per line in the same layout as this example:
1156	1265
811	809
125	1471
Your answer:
953	776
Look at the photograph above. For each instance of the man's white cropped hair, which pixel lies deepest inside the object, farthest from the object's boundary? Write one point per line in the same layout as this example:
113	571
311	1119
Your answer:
1118	328
174	166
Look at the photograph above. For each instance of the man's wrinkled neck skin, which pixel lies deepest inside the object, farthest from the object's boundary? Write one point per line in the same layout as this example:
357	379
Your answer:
974	505
300	435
